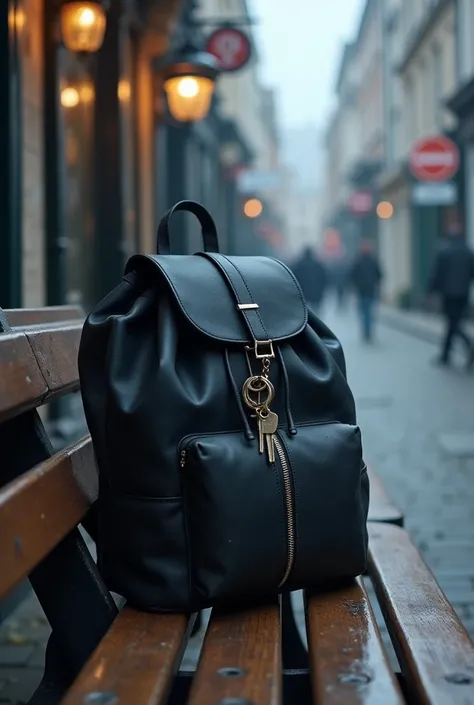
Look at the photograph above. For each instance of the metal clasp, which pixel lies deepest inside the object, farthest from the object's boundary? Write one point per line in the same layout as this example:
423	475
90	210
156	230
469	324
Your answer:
267	345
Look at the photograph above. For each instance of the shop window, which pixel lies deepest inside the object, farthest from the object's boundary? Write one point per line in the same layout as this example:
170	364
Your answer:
77	96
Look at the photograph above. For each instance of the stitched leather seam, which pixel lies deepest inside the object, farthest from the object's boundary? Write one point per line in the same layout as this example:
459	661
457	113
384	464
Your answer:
231	284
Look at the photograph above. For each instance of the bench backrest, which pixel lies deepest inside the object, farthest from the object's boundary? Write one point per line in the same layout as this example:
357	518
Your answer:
44	495
38	362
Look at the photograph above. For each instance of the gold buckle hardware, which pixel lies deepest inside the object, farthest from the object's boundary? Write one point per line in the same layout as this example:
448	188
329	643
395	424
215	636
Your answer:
269	345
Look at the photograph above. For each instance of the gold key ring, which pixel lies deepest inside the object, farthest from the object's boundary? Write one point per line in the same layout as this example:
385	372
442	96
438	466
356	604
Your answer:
257	385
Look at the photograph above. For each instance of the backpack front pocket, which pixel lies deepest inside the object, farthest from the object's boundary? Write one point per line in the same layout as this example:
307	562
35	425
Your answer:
235	518
255	528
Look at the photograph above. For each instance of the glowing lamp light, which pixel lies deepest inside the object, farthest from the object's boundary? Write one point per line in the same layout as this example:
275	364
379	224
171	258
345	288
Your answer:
384	210
189	97
70	97
82	25
124	90
253	208
86	92
189	83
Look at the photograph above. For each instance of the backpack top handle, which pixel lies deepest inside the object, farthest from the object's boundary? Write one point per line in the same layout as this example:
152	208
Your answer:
208	227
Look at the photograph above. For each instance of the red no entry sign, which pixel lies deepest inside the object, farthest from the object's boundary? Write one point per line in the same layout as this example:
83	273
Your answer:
434	159
230	46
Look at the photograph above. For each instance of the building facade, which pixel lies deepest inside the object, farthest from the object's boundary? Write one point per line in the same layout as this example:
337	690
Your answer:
355	145
411	80
77	141
244	100
461	103
90	157
420	75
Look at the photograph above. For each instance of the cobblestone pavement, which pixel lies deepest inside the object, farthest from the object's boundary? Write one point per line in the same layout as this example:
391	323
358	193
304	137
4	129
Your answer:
418	427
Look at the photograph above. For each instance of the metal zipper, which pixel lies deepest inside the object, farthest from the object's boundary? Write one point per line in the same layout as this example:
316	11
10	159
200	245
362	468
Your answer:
290	517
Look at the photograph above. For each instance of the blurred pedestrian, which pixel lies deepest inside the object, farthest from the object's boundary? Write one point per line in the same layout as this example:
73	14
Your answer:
312	277
451	278
365	277
340	277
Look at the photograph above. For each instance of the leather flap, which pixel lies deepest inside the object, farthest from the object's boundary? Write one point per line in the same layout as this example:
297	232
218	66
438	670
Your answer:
208	302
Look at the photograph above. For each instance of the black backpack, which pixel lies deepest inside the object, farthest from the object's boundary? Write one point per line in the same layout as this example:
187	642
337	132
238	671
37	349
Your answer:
229	458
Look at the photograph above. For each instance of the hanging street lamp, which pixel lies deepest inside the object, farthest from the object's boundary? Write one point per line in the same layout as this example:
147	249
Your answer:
189	74
82	25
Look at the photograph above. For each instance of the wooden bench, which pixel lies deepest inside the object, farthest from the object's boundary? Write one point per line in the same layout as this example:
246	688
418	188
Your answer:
101	656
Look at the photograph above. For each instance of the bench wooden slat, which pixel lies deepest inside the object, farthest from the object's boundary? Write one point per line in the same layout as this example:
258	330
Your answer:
435	652
347	660
381	508
37	316
22	385
241	658
56	351
41	507
136	661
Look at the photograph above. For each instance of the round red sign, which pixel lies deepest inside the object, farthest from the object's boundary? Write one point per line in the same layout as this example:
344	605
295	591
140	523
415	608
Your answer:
434	159
230	46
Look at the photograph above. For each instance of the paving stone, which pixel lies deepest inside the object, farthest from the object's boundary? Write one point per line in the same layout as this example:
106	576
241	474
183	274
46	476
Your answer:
19	684
37	658
15	655
457	443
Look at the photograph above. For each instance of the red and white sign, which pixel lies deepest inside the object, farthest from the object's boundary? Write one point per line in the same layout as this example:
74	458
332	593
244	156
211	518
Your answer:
230	46
434	159
361	202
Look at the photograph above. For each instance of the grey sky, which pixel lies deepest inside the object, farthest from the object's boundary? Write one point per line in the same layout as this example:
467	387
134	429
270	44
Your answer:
301	47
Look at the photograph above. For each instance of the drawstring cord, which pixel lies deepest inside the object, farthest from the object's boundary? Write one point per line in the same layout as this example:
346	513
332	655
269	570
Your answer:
247	430
289	416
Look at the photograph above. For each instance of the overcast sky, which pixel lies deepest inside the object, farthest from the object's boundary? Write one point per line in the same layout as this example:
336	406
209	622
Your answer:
301	45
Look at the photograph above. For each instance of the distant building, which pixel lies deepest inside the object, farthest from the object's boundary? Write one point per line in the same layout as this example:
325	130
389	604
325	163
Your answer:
408	75
461	103
420	75
303	153
303	217
244	100
355	134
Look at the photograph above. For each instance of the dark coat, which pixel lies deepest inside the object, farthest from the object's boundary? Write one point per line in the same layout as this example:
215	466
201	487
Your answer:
312	277
453	270
366	275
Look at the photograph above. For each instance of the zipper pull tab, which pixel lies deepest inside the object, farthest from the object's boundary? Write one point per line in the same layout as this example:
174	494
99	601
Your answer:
182	460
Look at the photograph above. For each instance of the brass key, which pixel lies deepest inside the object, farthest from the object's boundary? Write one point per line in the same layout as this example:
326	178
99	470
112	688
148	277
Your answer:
267	426
261	436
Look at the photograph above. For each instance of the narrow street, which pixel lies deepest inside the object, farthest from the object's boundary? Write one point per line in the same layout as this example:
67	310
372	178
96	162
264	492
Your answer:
418	425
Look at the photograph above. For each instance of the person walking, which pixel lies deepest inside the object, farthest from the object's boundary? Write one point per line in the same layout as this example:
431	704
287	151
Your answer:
451	278
365	278
312	277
